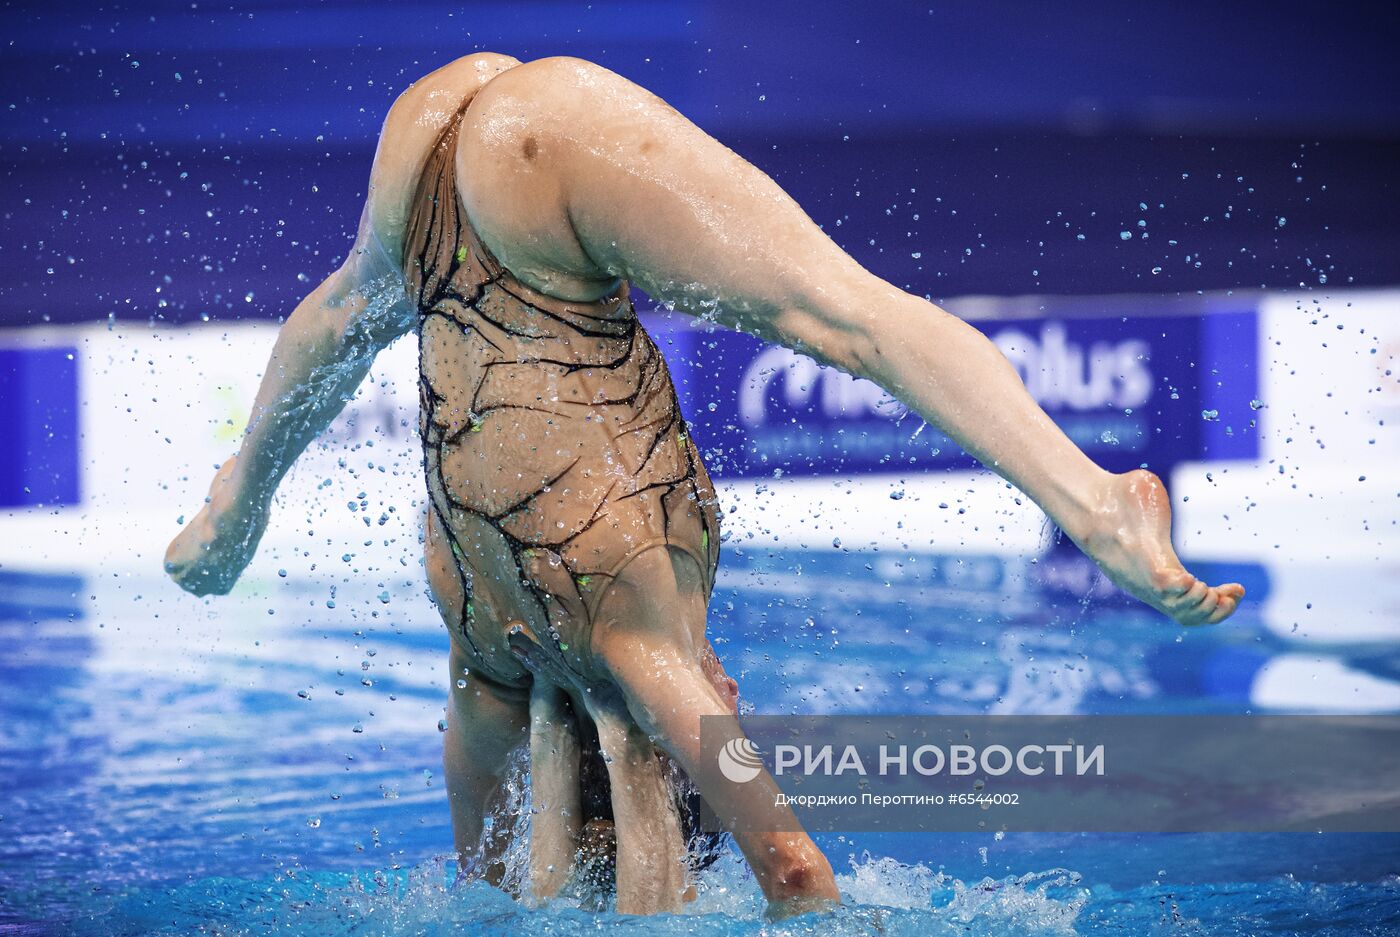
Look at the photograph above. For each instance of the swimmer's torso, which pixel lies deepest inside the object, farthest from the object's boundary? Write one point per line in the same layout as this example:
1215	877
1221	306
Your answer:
554	446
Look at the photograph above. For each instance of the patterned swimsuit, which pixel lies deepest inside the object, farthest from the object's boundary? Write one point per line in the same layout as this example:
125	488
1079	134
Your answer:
554	446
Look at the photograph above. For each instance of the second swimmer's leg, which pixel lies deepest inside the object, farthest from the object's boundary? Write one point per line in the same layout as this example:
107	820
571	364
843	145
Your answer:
650	636
554	785
486	723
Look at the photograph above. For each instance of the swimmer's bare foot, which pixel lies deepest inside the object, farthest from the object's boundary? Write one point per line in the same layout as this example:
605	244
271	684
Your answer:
1129	536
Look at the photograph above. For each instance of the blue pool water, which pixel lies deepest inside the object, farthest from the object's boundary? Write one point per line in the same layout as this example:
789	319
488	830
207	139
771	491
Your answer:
266	764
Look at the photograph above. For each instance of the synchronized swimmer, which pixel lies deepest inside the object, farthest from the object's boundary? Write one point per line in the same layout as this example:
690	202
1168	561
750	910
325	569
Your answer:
572	529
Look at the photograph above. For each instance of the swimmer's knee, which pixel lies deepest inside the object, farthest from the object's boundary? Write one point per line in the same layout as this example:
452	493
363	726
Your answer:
797	870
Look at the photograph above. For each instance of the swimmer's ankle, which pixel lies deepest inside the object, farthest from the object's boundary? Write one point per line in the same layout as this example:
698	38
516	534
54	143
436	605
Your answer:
1085	512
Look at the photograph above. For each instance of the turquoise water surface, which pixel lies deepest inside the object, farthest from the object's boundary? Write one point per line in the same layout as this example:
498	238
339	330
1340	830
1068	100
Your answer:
271	765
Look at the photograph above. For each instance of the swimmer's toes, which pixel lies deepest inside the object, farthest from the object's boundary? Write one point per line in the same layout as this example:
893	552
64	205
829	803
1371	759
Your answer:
1206	605
1222	611
1231	594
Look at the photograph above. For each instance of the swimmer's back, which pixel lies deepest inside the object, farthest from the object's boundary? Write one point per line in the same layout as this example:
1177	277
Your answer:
554	446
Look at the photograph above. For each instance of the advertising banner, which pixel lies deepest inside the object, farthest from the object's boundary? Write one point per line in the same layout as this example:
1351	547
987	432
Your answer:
1130	389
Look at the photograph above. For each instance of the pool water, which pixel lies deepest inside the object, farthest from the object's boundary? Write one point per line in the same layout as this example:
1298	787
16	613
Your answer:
265	763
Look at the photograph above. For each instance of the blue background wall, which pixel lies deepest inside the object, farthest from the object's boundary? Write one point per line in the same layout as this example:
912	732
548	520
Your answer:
172	159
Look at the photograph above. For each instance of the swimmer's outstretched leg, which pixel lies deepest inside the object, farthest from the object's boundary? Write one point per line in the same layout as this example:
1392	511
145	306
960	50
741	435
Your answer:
667	207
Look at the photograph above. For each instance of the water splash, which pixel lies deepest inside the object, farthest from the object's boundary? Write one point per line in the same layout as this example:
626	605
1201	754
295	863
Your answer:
883	896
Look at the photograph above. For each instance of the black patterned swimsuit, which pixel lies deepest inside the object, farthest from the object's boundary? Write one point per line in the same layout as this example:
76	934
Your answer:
553	441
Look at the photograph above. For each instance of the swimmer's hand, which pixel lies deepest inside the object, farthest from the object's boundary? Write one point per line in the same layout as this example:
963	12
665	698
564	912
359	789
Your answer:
209	555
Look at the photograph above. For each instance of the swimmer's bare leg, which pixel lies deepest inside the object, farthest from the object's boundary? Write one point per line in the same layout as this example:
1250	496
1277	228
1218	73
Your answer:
486	723
652	198
554	788
650	638
650	854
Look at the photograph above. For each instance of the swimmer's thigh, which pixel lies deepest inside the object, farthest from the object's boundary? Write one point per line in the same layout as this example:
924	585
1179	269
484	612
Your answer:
486	723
